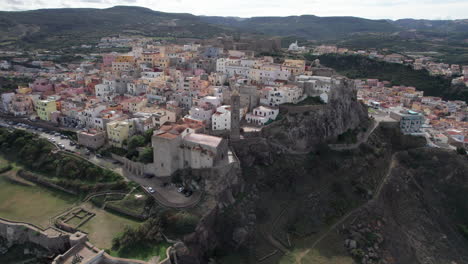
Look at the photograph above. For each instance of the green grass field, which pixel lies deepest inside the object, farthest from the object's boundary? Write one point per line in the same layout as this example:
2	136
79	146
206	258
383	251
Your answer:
32	204
143	251
104	226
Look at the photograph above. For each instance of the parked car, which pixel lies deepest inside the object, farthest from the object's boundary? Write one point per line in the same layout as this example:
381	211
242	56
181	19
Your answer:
187	193
99	156
151	190
180	189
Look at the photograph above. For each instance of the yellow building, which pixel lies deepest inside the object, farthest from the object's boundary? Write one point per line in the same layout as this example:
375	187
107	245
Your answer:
125	58
44	108
23	90
118	132
296	67
162	62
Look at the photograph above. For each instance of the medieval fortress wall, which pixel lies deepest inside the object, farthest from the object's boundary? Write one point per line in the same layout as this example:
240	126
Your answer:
19	233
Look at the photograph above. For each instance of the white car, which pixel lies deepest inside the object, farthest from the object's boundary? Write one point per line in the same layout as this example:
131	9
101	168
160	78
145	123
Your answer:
151	190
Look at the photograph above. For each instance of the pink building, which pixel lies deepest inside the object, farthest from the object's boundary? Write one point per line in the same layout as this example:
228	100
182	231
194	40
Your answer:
108	59
41	85
21	105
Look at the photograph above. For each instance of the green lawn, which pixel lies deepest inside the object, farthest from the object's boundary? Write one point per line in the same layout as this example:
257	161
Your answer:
104	226
32	204
142	251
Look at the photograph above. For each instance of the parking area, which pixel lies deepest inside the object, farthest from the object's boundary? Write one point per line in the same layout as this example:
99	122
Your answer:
166	193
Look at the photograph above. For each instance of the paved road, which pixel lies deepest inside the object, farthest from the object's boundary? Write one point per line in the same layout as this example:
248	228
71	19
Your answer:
167	196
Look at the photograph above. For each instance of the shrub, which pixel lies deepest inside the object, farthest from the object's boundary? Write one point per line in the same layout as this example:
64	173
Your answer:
461	151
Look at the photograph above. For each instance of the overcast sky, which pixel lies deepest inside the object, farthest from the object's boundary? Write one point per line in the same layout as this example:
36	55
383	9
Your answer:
389	9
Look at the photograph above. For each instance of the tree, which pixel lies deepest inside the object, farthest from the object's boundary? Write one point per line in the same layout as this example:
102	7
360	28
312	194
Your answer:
135	142
146	156
148	135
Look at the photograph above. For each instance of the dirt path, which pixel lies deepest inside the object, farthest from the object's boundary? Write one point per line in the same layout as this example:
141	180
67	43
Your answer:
302	254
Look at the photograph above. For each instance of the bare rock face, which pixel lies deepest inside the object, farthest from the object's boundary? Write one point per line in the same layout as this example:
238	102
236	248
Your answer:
306	126
416	218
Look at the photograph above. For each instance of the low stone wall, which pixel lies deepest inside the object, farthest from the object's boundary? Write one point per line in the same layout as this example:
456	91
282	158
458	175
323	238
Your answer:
31	177
134	167
19	233
119	210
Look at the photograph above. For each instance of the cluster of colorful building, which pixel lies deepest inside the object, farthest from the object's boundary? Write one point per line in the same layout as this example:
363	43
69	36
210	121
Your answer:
176	90
458	73
445	122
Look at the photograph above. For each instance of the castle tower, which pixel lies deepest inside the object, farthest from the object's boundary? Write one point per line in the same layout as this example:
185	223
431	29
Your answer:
235	115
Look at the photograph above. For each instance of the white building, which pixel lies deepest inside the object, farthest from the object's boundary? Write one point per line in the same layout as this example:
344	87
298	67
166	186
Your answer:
261	115
6	100
274	96
410	121
221	119
295	47
268	75
200	114
103	92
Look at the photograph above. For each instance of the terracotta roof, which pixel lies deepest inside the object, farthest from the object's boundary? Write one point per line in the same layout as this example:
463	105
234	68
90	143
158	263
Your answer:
167	135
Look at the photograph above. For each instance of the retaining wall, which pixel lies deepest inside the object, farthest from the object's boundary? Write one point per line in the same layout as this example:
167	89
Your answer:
19	233
134	167
31	177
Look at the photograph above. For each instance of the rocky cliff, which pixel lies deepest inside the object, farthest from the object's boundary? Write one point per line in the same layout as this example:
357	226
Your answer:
231	218
303	127
421	214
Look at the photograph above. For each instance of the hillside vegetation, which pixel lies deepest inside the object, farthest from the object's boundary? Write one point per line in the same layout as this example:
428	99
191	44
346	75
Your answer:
356	67
49	28
38	156
307	26
58	28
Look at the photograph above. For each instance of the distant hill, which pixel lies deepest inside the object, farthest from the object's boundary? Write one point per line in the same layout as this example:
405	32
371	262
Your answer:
307	26
52	28
61	27
453	26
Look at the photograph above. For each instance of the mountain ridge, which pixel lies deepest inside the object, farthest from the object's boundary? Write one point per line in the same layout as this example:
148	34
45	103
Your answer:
69	26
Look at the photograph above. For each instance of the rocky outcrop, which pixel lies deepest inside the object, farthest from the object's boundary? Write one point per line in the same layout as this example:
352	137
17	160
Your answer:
303	127
419	216
227	223
230	219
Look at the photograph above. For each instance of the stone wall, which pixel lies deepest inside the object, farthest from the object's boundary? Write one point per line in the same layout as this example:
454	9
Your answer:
32	177
19	233
134	167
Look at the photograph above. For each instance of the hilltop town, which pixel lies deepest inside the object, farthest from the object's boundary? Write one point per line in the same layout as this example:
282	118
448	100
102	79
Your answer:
208	147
